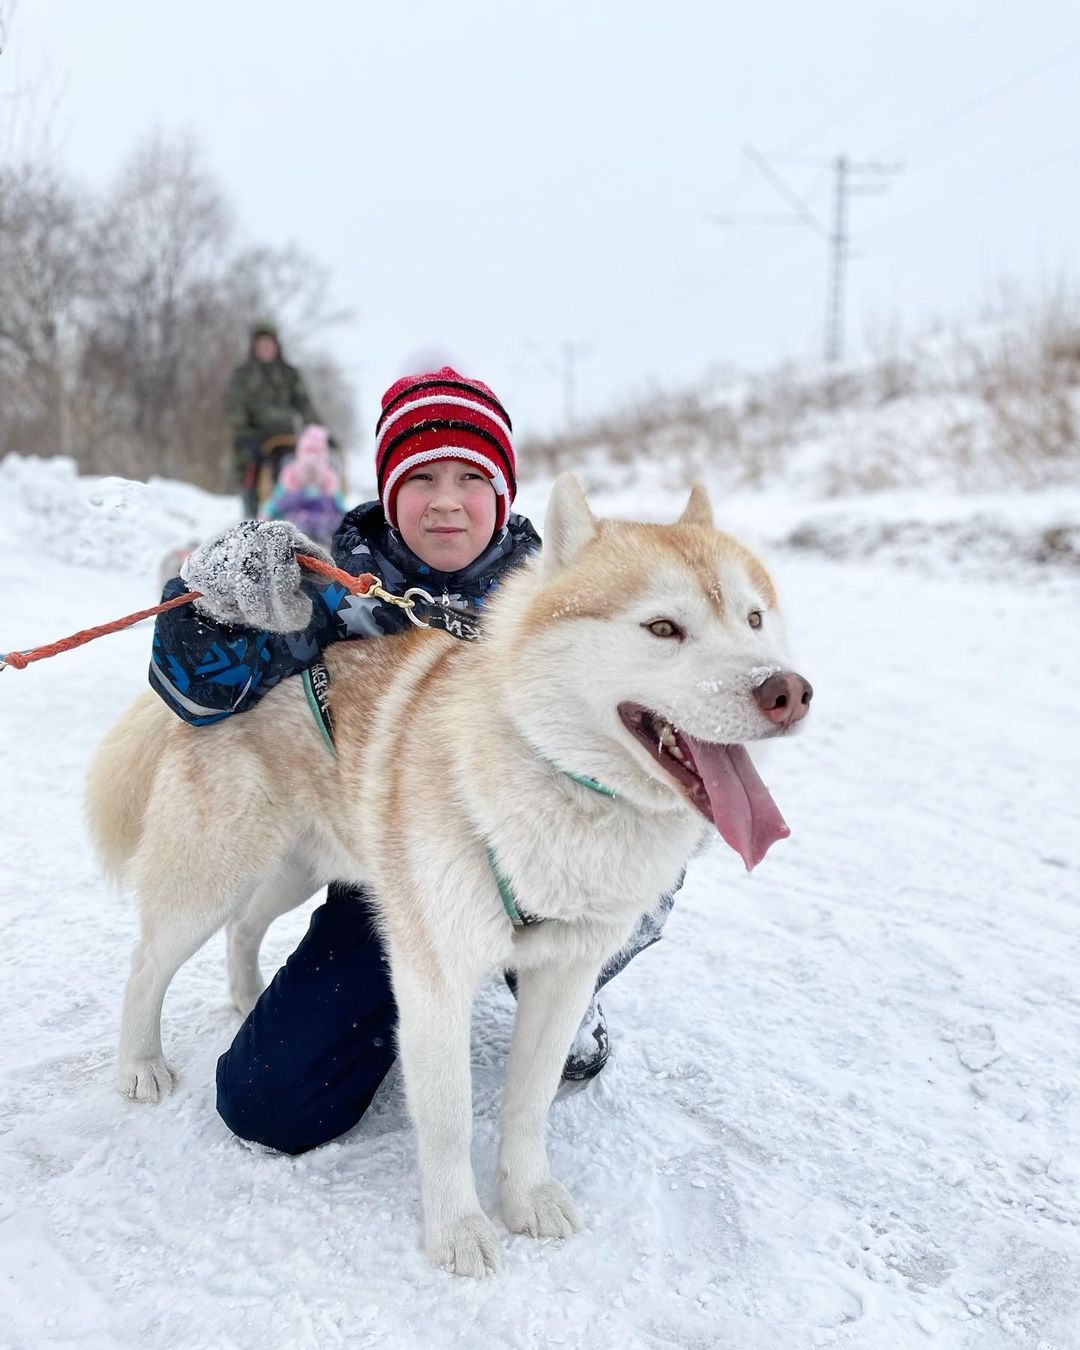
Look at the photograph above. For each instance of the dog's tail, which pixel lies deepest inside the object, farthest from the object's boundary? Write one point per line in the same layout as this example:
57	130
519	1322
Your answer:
120	778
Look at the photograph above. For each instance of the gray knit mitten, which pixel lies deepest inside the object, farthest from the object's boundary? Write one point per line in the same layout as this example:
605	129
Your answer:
248	575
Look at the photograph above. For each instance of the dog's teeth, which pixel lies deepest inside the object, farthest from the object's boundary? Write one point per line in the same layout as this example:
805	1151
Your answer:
667	736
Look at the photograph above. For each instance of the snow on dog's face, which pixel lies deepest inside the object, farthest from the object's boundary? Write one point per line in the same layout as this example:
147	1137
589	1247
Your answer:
649	655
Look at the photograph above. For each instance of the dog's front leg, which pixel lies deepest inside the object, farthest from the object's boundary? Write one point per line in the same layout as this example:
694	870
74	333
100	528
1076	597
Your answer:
433	1036
551	1001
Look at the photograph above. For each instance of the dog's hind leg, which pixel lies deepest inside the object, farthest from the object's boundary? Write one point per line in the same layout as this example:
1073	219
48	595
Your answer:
551	1001
275	896
170	933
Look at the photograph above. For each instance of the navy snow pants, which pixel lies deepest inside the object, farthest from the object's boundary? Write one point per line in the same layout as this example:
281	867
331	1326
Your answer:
308	1060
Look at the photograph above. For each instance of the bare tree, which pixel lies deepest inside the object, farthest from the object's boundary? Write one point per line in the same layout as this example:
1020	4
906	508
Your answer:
42	282
161	235
121	319
287	284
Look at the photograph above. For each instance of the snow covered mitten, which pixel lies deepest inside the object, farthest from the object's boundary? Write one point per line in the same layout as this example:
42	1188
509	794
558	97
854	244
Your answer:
248	575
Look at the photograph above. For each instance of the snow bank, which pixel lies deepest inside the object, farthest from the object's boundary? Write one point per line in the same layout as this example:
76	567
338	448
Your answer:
112	524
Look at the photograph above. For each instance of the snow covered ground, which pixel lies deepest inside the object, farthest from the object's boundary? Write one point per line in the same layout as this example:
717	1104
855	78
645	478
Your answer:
843	1105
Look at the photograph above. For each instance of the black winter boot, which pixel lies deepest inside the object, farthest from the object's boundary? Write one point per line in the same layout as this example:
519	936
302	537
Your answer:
589	1052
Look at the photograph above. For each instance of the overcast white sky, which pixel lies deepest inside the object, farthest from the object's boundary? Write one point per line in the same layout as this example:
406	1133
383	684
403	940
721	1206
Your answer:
493	181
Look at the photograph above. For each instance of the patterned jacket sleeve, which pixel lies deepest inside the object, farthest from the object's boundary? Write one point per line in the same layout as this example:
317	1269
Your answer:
206	671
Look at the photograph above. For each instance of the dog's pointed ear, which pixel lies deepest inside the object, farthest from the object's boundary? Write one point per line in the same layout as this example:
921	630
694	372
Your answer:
698	509
568	525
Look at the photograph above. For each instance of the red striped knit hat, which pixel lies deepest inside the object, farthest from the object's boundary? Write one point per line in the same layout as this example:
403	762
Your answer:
442	415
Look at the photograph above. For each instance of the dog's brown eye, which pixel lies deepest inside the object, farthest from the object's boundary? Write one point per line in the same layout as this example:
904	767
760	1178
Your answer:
754	618
664	628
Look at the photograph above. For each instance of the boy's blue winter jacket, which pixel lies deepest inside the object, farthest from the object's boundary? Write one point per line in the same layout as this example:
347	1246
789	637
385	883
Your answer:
205	671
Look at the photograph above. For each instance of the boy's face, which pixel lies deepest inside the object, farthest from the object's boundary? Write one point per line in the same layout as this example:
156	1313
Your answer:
446	513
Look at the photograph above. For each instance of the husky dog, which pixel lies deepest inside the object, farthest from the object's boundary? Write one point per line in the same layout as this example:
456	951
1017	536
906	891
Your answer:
573	759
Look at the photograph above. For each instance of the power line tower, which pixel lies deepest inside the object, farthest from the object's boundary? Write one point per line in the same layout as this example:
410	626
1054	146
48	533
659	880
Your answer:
849	180
565	370
572	352
838	241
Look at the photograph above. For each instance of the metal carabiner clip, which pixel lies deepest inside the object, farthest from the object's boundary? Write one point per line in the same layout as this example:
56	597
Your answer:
411	605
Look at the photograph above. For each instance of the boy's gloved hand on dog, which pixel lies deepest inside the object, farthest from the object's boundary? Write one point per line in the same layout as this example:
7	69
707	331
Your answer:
248	575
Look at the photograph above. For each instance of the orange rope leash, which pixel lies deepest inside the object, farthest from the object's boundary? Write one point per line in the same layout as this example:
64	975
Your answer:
363	584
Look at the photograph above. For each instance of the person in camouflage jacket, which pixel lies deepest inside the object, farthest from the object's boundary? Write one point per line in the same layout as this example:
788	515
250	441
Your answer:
265	398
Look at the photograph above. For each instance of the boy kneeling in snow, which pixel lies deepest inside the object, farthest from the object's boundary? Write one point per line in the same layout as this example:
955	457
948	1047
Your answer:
312	1052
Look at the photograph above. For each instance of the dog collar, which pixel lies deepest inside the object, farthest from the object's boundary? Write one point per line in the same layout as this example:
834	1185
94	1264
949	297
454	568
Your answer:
590	783
517	916
316	681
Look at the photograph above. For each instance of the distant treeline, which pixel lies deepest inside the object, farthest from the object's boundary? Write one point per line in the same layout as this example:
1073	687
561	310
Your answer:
122	314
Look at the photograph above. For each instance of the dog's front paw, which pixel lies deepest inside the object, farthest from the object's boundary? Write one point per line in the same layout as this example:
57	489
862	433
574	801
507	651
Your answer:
544	1211
468	1246
146	1080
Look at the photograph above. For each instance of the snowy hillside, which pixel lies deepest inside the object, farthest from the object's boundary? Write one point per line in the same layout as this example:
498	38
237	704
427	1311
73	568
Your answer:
982	422
843	1103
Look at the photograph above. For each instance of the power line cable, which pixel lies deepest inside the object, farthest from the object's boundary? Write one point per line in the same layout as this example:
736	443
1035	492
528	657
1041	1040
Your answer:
682	297
1039	96
1032	166
987	96
982	14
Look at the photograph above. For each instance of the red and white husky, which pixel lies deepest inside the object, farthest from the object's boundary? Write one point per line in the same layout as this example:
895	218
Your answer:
639	658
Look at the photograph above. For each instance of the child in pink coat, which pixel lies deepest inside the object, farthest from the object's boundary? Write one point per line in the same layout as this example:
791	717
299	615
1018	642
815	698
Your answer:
308	490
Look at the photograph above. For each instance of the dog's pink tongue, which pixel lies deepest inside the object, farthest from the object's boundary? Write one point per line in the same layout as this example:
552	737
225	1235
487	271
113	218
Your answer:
744	812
